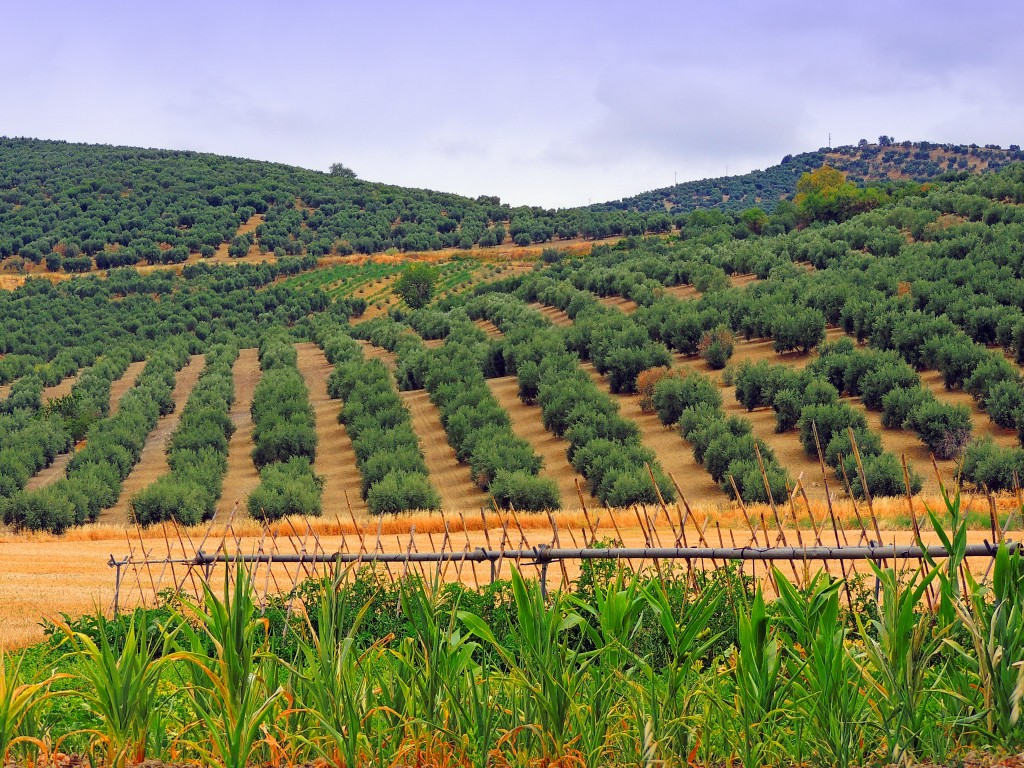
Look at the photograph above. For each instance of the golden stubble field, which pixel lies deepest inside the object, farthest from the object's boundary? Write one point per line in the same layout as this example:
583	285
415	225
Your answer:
45	575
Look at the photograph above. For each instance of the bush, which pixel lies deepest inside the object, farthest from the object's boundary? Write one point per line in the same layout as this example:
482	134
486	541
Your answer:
524	491
400	491
830	420
883	380
945	429
716	347
987	465
286	488
899	403
840	447
884	475
1004	403
800	330
674	395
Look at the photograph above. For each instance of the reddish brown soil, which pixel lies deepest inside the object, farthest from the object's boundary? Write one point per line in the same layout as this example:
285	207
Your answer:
241	477
683	291
527	424
153	461
379	353
555	315
451	478
335	457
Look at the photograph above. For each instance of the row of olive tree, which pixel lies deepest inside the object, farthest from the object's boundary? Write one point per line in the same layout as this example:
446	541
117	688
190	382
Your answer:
197	450
391	465
284	436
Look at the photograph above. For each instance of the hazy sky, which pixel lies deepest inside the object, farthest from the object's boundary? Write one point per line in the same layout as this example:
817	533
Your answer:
549	103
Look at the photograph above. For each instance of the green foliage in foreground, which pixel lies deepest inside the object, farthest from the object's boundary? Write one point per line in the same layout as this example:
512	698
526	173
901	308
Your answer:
624	669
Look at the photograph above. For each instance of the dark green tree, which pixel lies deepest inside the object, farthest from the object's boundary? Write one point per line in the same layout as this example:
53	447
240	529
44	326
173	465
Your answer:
416	285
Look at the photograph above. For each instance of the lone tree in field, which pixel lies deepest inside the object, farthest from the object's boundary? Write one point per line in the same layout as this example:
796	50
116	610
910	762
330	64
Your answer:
343	171
416	285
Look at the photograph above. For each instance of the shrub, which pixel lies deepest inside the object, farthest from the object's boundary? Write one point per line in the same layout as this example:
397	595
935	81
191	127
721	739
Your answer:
899	403
750	482
830	420
524	491
286	488
1004	403
716	347
645	383
945	429
800	330
987	465
868	444
883	380
884	475
400	491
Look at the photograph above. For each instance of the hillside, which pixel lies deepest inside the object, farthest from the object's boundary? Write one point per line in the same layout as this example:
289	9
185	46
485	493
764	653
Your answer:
102	206
863	164
71	208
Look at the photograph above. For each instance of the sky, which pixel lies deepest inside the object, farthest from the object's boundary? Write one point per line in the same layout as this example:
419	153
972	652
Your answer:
542	103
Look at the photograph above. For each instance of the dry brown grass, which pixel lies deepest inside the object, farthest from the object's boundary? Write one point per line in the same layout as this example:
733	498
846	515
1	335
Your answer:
45	575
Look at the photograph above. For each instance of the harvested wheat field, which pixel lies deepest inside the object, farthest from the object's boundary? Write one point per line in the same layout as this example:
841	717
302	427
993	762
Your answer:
335	457
36	581
153	461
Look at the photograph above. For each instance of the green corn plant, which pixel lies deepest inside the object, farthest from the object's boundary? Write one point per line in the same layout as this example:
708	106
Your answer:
229	697
901	646
121	684
548	673
616	616
18	699
994	618
828	694
331	684
760	686
669	695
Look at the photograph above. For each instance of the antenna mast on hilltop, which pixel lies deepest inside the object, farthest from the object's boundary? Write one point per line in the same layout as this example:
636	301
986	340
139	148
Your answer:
830	139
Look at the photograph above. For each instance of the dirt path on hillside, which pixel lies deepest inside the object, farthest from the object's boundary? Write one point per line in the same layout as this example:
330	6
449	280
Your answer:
56	470
489	328
120	387
335	457
674	453
241	477
61	389
683	292
620	303
555	315
153	460
245	228
527	424
451	479
379	353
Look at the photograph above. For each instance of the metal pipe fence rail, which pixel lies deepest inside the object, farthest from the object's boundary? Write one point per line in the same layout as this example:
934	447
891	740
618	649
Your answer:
542	556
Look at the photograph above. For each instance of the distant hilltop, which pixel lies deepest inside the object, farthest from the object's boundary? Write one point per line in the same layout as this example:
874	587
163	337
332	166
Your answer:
864	163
